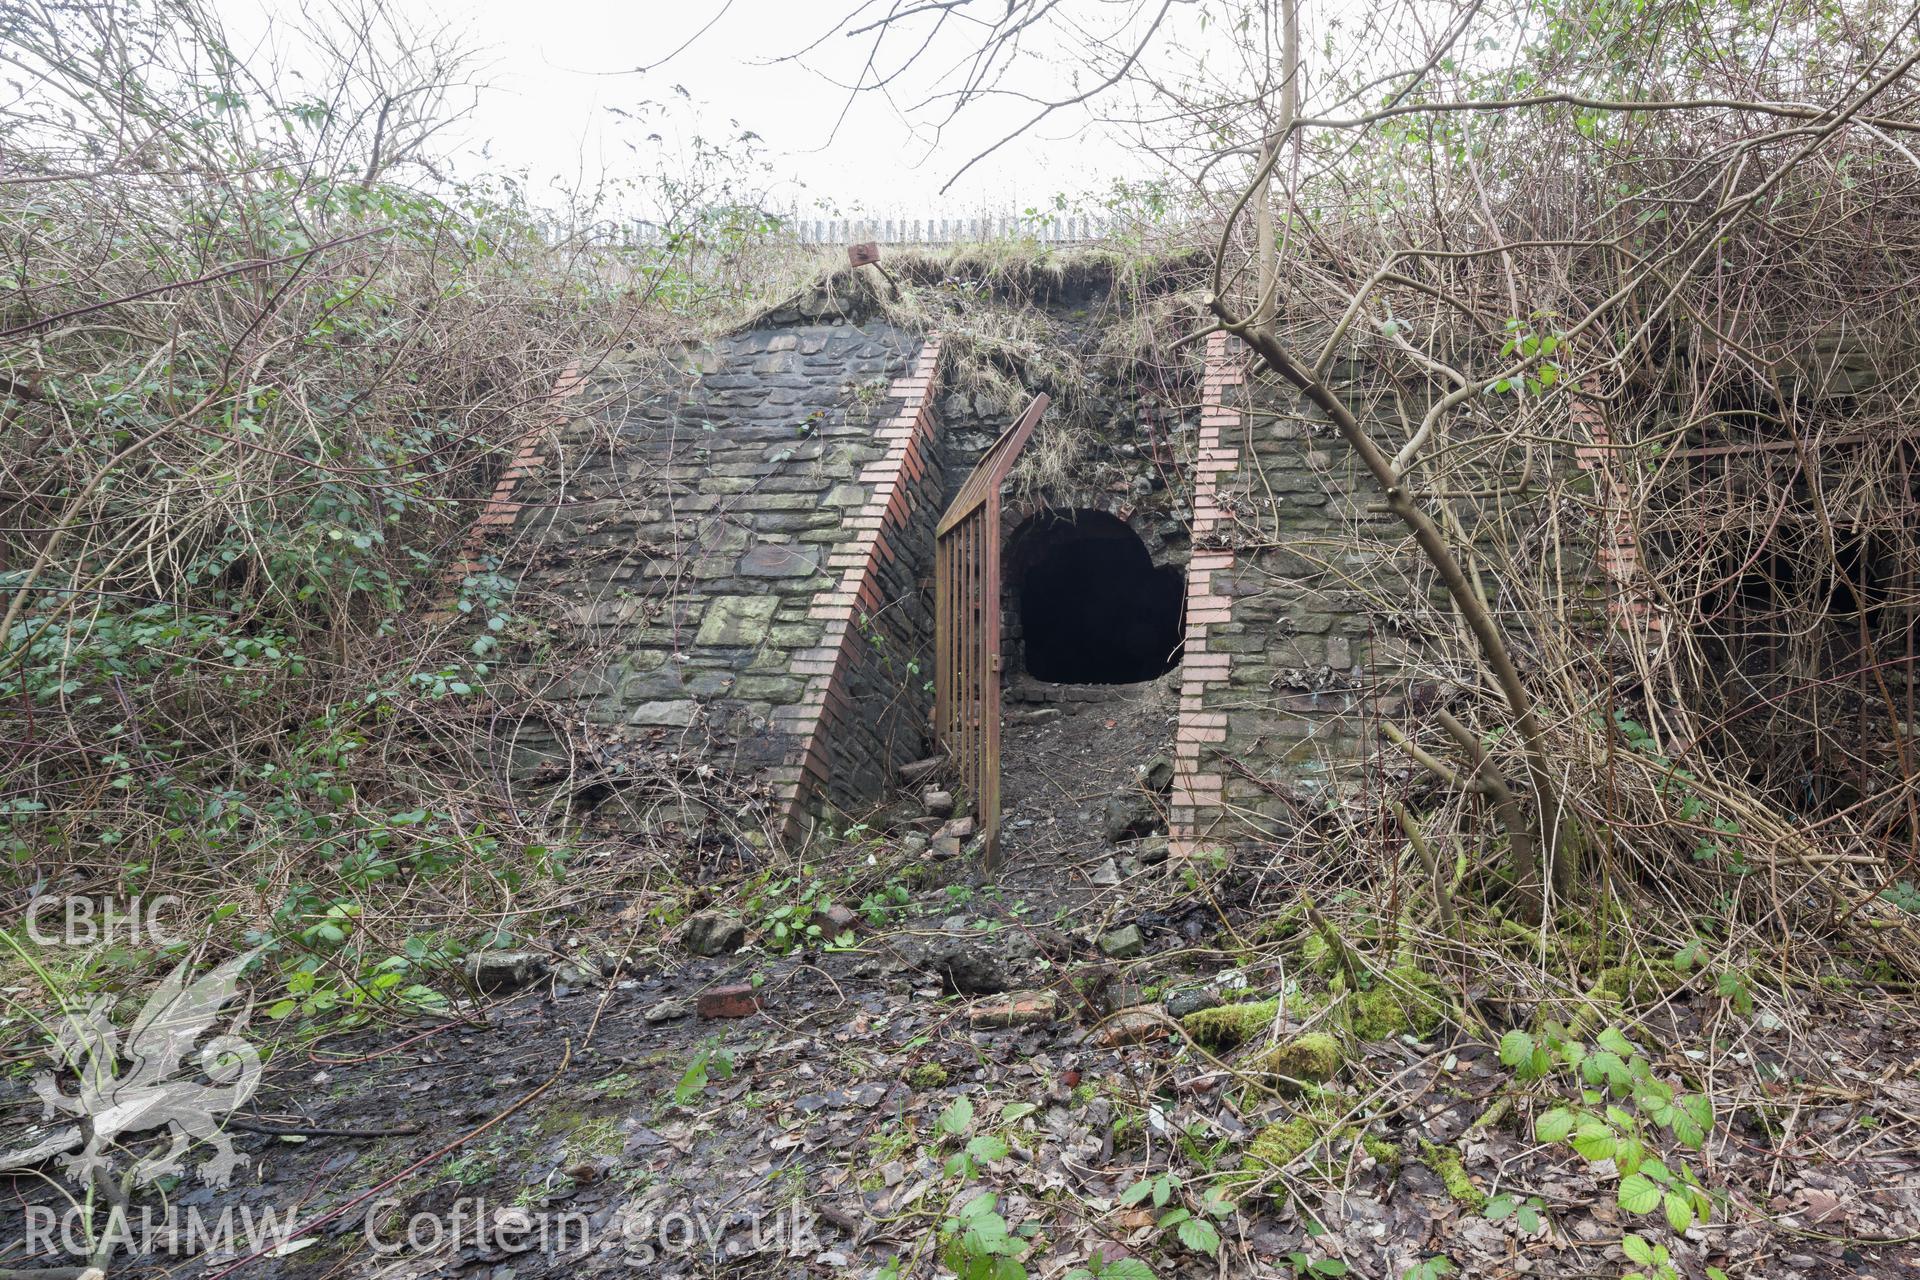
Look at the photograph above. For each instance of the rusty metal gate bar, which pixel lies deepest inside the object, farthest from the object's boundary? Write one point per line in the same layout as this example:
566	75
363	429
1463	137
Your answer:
966	592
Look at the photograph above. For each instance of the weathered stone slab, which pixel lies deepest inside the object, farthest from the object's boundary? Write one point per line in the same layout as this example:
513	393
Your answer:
780	560
676	715
736	621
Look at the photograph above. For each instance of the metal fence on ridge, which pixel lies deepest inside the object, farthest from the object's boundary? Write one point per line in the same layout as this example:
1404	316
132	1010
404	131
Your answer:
899	232
912	231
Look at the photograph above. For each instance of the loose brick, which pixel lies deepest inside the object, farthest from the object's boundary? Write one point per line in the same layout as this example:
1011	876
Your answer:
736	1001
1022	1008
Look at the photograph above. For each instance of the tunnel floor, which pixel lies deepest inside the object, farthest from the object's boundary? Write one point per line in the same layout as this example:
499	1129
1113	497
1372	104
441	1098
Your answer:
1066	751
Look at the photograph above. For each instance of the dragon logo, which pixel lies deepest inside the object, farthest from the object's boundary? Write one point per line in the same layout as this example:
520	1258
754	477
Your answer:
126	1089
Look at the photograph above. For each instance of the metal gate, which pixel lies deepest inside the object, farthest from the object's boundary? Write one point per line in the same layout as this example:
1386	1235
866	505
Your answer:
966	587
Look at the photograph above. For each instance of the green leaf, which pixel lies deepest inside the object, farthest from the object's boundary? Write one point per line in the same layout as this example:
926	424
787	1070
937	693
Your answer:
1016	1111
1127	1269
988	1146
1594	1141
1700	1107
986	1233
974	1208
1198	1235
1606	1067
1136	1193
956	1118
1500	1207
1638	1195
1554	1125
1653	1093
1215	1205
1679	1211
1516	1048
1637	1250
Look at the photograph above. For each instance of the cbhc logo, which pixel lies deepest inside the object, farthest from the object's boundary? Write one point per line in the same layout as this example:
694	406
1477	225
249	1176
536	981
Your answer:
82	922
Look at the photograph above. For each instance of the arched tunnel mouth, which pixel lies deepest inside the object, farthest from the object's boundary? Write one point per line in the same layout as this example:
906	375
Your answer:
1094	609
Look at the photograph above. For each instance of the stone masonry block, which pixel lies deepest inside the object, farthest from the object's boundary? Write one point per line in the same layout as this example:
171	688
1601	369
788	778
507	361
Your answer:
779	560
675	714
736	621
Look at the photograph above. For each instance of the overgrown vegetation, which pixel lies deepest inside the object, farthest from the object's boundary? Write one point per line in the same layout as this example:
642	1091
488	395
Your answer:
262	369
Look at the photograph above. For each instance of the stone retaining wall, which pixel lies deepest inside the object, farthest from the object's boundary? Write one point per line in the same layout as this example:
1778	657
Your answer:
705	542
1296	561
1309	611
868	700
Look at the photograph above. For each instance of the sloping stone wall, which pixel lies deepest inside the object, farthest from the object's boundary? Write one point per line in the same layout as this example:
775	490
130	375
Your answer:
711	538
868	701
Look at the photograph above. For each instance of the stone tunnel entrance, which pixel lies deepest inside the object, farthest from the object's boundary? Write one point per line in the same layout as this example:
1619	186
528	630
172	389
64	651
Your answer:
1092	607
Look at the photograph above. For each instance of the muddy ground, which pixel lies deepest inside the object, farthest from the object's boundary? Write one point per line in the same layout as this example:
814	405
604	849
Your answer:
1013	1038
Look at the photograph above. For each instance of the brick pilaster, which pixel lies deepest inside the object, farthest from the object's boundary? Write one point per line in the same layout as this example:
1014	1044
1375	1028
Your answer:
874	529
1618	552
502	508
1197	793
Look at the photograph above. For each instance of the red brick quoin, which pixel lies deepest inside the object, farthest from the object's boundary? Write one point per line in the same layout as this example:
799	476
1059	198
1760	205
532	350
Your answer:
1618	554
874	530
502	509
1197	795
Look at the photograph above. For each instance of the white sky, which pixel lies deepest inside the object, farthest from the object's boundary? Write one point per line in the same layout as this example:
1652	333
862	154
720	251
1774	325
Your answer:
548	110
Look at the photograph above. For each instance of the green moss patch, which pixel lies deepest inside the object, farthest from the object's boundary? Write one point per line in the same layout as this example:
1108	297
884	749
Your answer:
928	1075
1385	1153
1314	1058
1637	985
1230	1025
1406	1001
1452	1172
1279	1145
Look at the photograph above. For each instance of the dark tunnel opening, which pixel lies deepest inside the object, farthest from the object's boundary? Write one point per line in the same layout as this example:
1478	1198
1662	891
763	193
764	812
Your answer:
1093	608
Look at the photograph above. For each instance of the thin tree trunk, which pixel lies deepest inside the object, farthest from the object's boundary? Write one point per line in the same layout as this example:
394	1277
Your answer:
1266	244
1433	544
